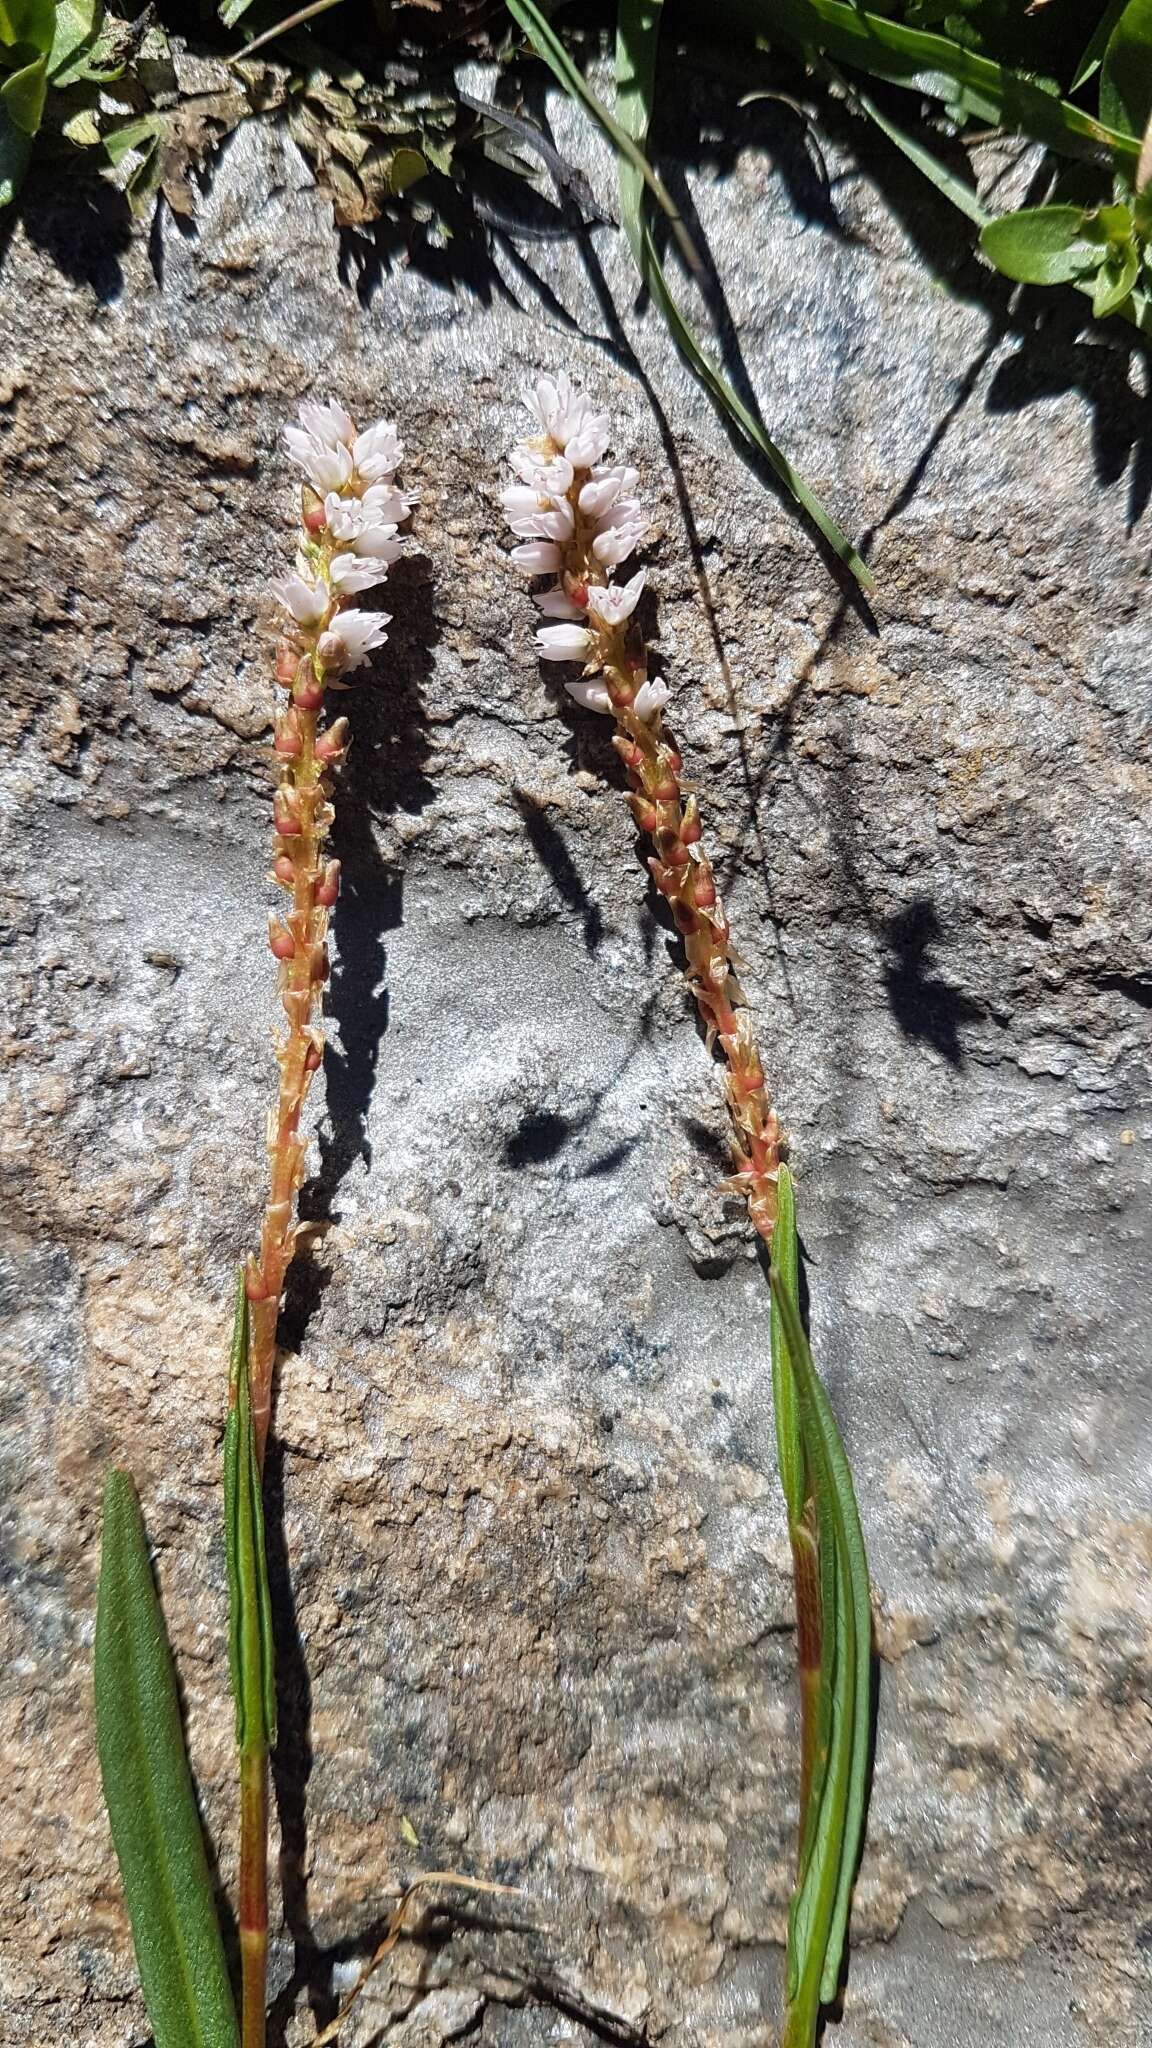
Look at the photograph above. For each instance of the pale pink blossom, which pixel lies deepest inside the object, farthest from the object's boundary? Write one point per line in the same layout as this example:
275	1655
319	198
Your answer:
359	633
556	604
326	468
328	423
536	557
589	693
378	452
612	604
307	601
650	698
351	573
563	643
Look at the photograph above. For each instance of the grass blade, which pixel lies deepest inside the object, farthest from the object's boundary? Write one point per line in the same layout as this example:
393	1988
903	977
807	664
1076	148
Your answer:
833	1832
250	1647
637	96
149	1795
946	181
933	65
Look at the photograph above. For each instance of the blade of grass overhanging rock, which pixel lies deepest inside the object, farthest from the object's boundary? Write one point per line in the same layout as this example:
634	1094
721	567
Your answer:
149	1795
638	23
548	46
930	64
953	188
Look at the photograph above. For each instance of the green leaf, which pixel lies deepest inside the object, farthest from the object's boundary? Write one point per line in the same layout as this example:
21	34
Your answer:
819	1916
23	94
1094	52
634	96
789	1448
231	11
28	22
139	134
15	150
1126	73
1114	280
932	65
250	1647
945	180
149	1796
1044	244
77	25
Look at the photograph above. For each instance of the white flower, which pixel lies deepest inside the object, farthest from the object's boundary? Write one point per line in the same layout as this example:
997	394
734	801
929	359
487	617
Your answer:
563	643
377	542
384	505
377	452
650	698
556	604
359	632
306	601
537	557
566	416
326	469
549	476
611	606
621	533
537	517
329	424
588	692
345	516
351	573
604	487
587	445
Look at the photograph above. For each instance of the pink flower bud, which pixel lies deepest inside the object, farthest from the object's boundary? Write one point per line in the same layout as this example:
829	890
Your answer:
312	512
287	663
286	813
283	870
313	1058
307	692
287	741
318	964
255	1286
332	745
690	824
328	889
703	890
280	940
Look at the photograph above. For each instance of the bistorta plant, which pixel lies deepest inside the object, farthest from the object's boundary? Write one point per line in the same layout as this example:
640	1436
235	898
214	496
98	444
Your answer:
350	513
577	521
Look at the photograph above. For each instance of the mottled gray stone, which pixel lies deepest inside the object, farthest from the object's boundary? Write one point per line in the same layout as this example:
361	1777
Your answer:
536	1553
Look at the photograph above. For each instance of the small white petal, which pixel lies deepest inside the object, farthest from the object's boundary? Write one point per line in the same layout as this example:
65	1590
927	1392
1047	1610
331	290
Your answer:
536	557
650	698
551	476
563	643
556	604
613	605
379	542
307	602
325	468
543	401
351	573
344	516
329	423
377	451
385	506
587	445
589	693
360	632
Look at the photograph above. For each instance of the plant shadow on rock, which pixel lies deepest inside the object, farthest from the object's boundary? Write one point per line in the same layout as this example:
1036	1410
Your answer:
384	771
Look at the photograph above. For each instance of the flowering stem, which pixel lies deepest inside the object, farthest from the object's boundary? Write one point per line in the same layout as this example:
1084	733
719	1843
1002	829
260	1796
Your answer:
577	521
350	513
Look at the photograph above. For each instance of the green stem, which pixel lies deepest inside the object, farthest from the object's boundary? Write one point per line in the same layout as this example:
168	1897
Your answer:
253	1894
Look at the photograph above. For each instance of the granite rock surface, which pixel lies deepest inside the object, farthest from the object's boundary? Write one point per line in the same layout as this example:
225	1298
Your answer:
532	1584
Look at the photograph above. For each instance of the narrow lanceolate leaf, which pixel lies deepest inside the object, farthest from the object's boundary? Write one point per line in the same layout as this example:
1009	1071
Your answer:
834	1824
933	65
789	1448
636	58
1126	72
149	1796
250	1647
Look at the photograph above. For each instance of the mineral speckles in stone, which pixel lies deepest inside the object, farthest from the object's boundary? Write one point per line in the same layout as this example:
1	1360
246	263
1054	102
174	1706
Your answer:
351	511
576	518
